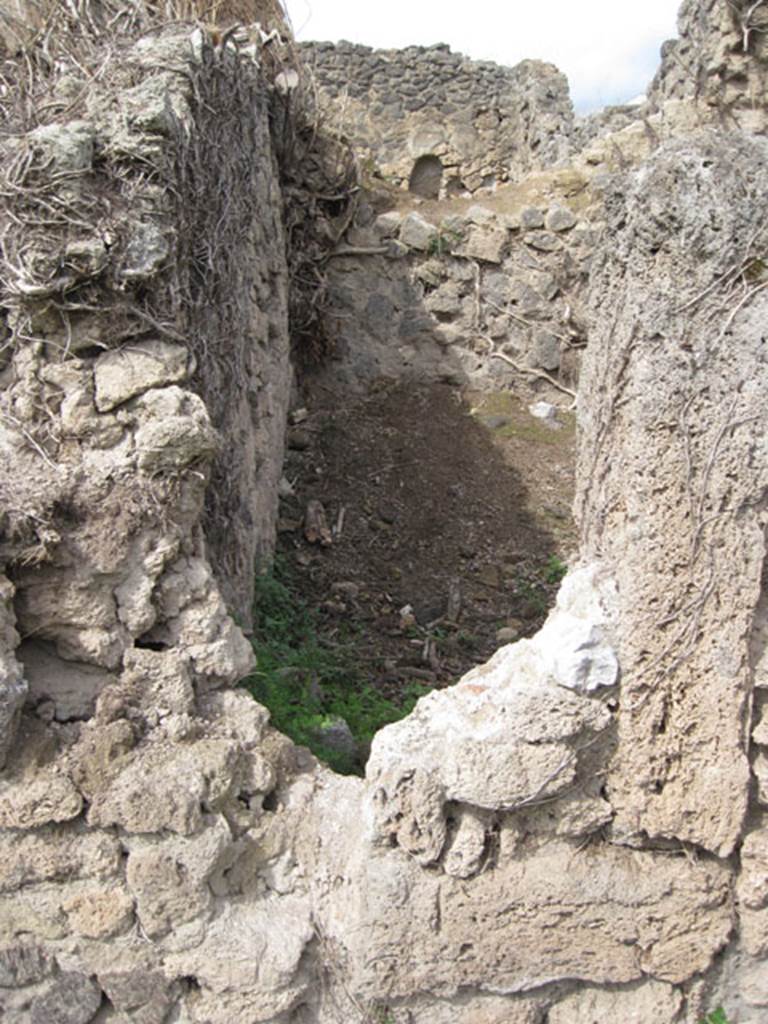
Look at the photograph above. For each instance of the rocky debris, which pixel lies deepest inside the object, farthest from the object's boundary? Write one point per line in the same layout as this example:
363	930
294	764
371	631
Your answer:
93	613
66	148
169	882
22	965
144	991
177	432
261	986
335	735
543	241
297	416
712	74
37	798
99	913
483	244
387	225
146	251
124	623
480	215
453	602
507	635
531	218
181	781
346	589
71	998
545	350
470	282
575	638
56	854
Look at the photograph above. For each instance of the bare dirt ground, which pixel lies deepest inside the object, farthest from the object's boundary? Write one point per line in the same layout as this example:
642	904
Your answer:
449	519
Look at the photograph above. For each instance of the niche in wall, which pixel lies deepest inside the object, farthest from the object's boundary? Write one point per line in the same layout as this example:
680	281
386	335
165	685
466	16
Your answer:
426	177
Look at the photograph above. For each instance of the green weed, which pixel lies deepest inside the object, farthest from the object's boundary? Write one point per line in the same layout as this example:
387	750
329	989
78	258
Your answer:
305	681
444	241
535	596
756	270
554	570
381	1015
716	1017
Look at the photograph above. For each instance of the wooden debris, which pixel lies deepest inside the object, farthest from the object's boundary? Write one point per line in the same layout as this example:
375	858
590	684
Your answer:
339	522
285	525
453	606
316	530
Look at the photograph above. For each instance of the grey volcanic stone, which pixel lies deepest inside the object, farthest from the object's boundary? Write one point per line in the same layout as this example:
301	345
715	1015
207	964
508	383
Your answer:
560	218
417	233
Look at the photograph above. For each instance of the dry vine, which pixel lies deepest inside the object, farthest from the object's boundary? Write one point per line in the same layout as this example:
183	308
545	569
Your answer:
748	19
201	175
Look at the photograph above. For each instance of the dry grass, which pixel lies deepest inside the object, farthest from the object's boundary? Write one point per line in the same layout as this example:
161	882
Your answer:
26	21
41	39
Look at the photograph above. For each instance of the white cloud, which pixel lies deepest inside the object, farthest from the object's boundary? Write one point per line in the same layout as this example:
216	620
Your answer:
609	50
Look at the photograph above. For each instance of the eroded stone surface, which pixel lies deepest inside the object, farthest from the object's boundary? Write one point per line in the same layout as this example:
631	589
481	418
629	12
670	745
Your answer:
55	854
417	233
71	999
168	880
132	370
654	1001
590	917
682	499
507	736
13	687
72	686
28	802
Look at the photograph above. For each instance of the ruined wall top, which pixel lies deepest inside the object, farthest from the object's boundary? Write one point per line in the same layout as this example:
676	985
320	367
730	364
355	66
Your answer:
720	61
439	121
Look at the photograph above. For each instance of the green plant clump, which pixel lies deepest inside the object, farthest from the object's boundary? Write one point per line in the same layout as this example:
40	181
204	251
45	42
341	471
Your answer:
443	241
716	1017
554	570
307	681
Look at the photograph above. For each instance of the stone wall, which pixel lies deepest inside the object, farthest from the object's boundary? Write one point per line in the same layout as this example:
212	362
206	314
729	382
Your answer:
484	123
114	634
575	832
719	62
680	370
460	295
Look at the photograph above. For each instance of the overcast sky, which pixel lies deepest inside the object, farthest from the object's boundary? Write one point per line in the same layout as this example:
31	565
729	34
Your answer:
608	48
